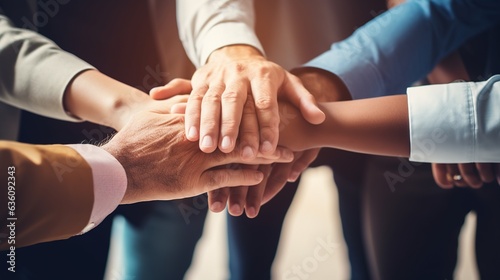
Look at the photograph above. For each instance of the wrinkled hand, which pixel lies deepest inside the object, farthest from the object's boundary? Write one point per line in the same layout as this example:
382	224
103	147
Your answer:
220	90
465	174
161	164
250	199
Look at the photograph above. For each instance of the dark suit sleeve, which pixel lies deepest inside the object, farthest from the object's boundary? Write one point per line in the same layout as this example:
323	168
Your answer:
46	193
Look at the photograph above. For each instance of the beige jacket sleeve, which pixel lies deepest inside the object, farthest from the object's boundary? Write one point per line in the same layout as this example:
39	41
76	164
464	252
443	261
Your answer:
34	71
46	193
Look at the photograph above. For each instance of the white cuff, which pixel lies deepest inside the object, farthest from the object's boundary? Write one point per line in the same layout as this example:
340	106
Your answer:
455	123
109	178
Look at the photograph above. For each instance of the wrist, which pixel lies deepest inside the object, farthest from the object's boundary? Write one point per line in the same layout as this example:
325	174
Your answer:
323	85
97	98
232	52
117	152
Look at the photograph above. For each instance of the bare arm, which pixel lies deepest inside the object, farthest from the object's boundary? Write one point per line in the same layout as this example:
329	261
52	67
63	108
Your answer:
95	97
374	126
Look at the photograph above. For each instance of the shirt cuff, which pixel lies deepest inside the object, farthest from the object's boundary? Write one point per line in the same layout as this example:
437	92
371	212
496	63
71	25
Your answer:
442	123
109	178
228	34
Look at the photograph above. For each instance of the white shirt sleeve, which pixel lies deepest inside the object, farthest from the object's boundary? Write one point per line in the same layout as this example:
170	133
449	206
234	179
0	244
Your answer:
455	123
109	179
207	25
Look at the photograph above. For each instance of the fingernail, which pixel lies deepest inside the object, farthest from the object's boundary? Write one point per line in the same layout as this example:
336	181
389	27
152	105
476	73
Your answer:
236	209
266	147
207	141
251	212
259	176
192	133
294	176
248	153
287	155
226	142
151	91
215	207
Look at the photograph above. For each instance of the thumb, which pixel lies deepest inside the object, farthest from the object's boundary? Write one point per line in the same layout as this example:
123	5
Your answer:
301	98
174	87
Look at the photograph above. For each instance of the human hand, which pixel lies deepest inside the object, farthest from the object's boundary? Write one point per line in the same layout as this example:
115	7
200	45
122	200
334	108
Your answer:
141	102
326	87
464	174
250	199
161	164
293	134
220	90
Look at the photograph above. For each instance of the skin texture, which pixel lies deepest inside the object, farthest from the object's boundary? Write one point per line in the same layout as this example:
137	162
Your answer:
235	96
161	164
219	93
374	126
149	136
95	97
250	200
343	128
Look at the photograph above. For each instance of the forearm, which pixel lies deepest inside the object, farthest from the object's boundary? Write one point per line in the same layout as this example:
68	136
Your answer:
95	97
460	125
374	126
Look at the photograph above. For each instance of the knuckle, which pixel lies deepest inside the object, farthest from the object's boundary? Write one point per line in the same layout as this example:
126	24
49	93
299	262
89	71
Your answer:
199	92
217	179
210	124
211	98
217	87
264	102
270	126
239	67
230	124
231	97
249	108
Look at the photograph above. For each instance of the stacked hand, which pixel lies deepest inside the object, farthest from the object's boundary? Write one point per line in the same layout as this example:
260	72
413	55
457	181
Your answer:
161	164
235	96
248	127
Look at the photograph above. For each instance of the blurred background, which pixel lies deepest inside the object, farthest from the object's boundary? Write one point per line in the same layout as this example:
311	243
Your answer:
312	218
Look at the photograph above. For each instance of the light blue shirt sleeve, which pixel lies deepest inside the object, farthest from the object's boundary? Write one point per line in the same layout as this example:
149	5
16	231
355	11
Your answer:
455	123
402	45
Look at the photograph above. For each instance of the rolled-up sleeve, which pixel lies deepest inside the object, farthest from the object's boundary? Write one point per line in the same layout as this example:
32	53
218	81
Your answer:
455	123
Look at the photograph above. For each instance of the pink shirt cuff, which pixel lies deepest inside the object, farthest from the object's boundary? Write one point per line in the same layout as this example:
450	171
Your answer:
109	178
